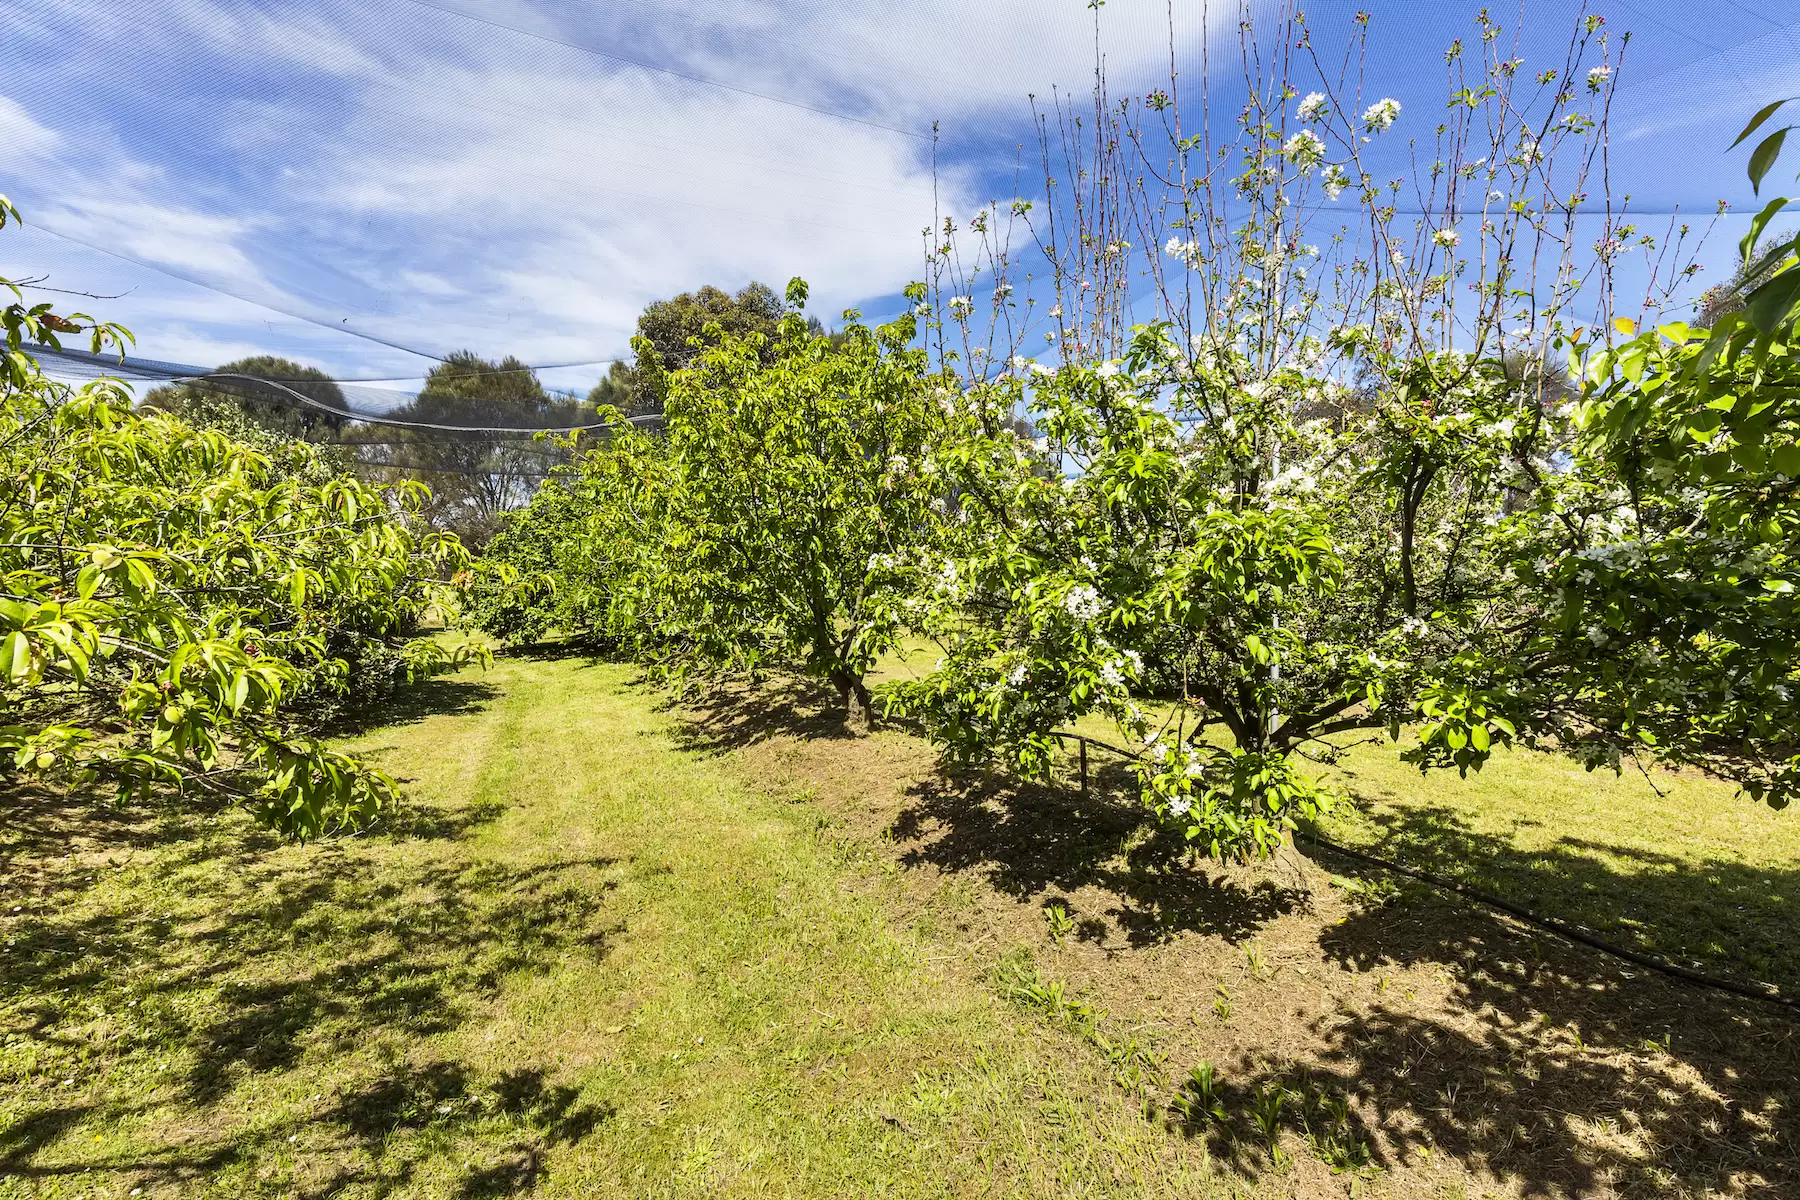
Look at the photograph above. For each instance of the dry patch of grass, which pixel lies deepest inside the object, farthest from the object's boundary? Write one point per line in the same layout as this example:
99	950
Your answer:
1380	1040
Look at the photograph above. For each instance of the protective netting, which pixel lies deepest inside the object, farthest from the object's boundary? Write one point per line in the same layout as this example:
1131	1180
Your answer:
340	403
369	188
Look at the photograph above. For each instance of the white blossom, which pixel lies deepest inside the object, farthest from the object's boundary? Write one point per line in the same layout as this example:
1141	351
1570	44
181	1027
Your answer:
962	306
1597	77
1313	108
1446	238
1188	252
1304	149
1181	806
1083	602
1381	115
1335	181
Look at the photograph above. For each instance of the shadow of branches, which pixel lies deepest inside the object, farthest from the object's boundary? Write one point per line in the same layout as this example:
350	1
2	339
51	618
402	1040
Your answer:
1546	1066
414	702
733	714
257	964
1023	838
1722	916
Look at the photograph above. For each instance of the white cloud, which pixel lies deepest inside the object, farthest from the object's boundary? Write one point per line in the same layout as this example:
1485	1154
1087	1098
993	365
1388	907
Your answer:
21	138
441	182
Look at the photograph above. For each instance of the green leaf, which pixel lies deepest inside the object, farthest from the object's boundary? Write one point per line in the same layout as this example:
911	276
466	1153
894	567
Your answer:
1756	122
15	656
1747	246
1764	156
1770	305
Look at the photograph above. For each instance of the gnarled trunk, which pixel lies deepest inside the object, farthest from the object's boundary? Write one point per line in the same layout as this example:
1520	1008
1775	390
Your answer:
859	710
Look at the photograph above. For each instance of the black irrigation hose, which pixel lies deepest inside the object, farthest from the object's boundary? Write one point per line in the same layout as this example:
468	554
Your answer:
1753	991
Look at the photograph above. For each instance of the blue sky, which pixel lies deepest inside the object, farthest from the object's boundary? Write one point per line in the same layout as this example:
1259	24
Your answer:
337	179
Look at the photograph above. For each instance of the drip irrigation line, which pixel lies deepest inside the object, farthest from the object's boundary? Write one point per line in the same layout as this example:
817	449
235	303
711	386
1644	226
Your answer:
1751	990
1754	991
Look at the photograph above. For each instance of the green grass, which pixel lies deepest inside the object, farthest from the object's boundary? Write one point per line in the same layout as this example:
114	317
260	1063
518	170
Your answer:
586	962
1678	865
1696	873
591	960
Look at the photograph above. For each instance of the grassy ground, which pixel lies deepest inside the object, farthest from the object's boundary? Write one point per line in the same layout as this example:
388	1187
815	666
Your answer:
587	963
1679	866
1419	1046
613	950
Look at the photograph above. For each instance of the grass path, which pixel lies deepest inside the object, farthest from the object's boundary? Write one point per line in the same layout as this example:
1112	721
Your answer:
587	963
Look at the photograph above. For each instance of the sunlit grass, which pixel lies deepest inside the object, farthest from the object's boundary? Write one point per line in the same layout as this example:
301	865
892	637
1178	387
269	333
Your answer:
586	963
1682	866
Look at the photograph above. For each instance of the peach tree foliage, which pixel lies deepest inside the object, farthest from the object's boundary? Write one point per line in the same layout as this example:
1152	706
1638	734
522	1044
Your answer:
806	478
174	604
778	520
582	558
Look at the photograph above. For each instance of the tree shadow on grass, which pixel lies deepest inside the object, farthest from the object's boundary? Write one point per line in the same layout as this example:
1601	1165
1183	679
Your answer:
1024	838
513	1118
1722	916
275	964
591	651
733	715
1548	1066
411	703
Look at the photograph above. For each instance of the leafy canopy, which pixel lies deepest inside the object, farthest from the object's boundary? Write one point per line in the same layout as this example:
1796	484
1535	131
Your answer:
176	606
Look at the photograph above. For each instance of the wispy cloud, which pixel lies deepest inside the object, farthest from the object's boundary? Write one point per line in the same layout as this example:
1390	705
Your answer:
522	176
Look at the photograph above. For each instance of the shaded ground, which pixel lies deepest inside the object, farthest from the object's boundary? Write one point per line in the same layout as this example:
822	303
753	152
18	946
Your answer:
582	962
1419	1045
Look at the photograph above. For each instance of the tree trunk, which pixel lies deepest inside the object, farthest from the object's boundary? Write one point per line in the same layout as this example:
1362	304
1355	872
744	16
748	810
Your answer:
1295	871
859	711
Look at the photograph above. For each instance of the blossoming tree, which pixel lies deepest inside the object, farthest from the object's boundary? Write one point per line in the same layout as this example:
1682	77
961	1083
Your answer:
1319	489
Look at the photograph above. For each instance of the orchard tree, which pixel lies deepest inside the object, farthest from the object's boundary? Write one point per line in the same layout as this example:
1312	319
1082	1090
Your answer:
176	607
808	491
1335	483
586	557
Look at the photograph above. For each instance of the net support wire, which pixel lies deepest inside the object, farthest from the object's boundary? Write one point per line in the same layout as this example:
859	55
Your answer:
148	370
